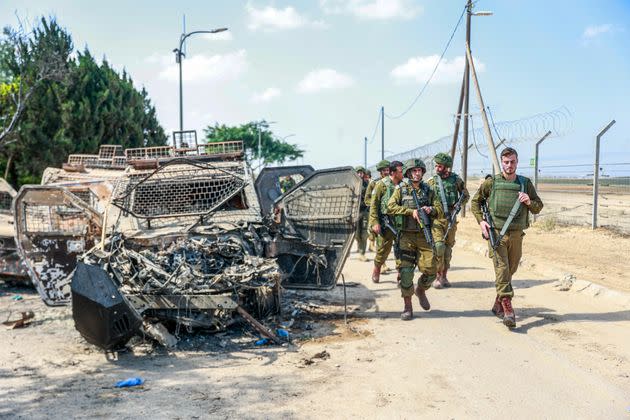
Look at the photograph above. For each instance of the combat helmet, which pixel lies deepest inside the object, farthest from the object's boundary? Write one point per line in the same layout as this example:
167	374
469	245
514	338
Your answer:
414	163
359	169
444	159
383	164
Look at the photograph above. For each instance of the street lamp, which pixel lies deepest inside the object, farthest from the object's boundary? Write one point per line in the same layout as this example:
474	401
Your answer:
178	59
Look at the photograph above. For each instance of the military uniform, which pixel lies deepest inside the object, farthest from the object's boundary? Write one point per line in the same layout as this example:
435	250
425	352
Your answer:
361	229
501	195
381	194
414	248
367	200
447	191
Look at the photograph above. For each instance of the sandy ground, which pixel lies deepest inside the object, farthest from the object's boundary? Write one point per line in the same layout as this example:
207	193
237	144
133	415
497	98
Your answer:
569	357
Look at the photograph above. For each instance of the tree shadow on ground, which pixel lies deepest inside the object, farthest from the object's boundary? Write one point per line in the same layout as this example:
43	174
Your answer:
528	318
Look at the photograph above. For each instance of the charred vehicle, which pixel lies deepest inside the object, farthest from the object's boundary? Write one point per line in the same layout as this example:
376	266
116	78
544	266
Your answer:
186	243
60	219
11	267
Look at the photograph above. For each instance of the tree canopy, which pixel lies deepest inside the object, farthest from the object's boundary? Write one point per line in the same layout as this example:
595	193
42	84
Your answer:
53	104
272	150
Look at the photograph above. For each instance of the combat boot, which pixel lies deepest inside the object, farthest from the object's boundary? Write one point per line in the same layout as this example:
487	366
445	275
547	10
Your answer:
509	319
376	274
407	314
445	281
437	283
422	298
497	309
385	269
362	258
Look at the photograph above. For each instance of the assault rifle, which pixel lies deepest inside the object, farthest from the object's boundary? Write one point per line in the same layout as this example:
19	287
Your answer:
452	218
386	223
425	222
492	235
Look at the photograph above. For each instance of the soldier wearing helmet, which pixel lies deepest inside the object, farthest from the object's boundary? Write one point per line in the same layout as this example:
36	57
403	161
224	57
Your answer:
383	190
383	169
448	188
414	248
361	230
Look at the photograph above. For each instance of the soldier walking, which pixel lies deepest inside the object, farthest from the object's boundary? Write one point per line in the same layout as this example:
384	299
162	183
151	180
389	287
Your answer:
379	222
501	207
410	199
451	191
361	232
383	168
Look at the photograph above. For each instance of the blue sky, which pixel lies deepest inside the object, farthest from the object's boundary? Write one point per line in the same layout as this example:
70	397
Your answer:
322	68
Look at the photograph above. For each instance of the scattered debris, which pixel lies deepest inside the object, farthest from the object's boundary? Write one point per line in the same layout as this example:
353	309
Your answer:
136	381
24	320
322	355
17	298
566	283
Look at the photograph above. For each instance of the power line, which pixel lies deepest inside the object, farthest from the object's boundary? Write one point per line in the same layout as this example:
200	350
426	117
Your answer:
402	114
378	122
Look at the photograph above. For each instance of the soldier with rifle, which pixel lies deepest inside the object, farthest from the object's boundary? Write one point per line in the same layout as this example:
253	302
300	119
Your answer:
380	222
415	201
383	169
502	206
452	193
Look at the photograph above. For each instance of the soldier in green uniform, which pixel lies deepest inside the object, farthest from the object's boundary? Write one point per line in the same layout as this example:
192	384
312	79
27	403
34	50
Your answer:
509	198
361	232
287	183
383	190
448	187
414	248
383	168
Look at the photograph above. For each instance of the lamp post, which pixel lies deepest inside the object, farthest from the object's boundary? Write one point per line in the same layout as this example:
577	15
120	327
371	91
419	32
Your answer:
258	124
178	59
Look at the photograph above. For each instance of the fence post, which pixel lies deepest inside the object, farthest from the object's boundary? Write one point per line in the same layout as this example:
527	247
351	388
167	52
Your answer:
536	161
596	172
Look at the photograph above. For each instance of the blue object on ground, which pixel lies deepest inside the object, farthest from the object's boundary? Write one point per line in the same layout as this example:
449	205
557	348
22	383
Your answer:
129	382
282	333
262	342
17	297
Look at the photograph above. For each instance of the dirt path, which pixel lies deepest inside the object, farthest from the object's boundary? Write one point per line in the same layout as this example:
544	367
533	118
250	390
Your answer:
568	358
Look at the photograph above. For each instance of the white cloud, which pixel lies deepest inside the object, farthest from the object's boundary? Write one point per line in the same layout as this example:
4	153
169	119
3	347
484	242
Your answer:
203	68
373	9
219	36
322	79
593	31
271	19
418	69
266	95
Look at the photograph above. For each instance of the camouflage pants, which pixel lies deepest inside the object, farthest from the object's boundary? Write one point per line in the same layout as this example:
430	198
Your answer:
385	242
508	255
415	251
361	233
443	248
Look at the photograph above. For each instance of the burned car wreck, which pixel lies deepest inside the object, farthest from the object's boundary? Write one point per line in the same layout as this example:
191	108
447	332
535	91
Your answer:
185	243
11	267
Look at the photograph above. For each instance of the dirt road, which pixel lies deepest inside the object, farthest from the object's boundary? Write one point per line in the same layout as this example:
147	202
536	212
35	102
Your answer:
568	358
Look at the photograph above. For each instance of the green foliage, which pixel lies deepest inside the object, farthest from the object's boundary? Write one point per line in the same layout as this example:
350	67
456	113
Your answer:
273	149
547	224
78	106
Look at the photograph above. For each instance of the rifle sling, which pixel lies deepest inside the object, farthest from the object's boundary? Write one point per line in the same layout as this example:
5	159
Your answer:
513	212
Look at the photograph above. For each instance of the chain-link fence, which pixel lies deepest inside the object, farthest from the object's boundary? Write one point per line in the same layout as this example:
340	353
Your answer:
566	190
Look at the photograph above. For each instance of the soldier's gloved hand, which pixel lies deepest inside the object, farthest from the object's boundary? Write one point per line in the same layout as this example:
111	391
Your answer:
376	229
485	229
524	198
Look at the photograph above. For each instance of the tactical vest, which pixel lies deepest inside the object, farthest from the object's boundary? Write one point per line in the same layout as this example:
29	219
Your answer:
450	189
389	191
363	207
502	198
407	201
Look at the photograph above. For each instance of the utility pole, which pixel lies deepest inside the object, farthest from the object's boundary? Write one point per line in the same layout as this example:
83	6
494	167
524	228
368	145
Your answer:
382	132
536	160
466	88
596	173
484	116
365	152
